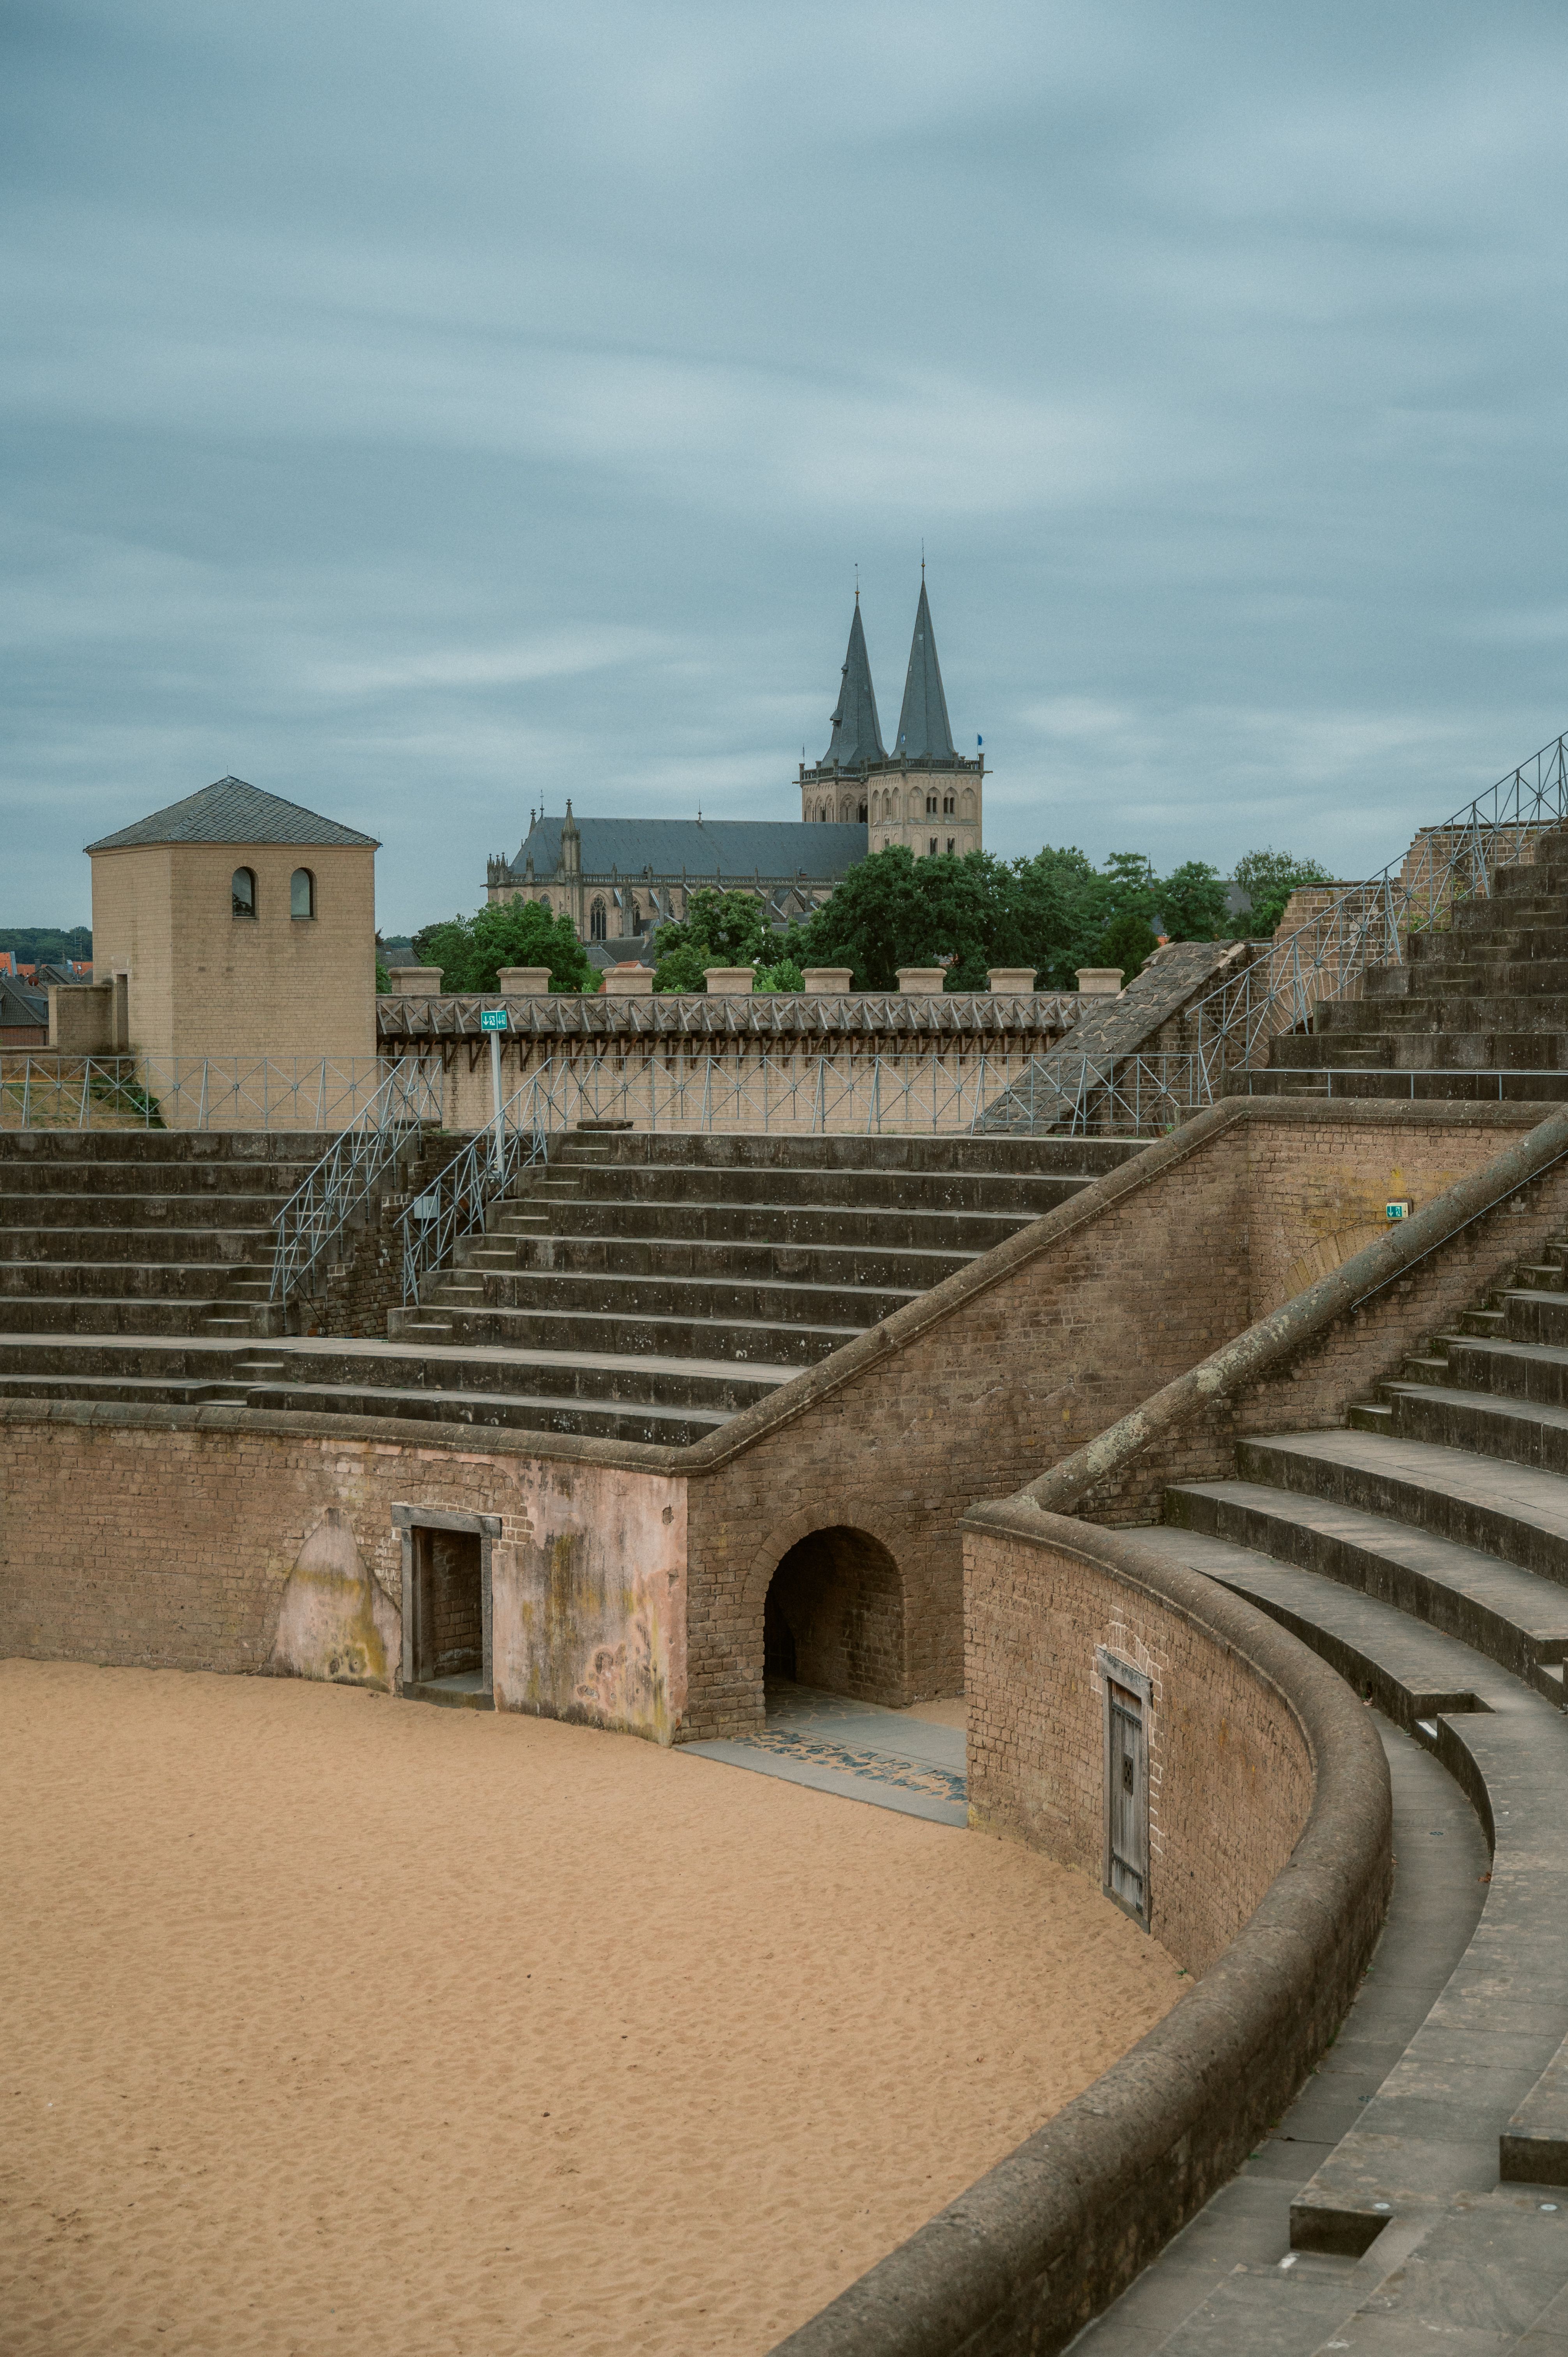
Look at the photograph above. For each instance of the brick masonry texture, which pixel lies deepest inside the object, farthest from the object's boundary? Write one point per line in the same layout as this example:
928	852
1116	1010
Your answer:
1230	1776
1042	2243
166	1534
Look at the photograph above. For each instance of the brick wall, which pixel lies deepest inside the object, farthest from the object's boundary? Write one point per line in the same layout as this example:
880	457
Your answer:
636	1592
1229	1773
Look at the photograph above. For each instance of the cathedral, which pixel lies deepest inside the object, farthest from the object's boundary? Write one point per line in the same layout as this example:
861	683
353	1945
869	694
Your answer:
620	878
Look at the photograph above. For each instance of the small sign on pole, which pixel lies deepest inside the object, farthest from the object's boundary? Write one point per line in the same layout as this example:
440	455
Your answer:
493	1019
1399	1208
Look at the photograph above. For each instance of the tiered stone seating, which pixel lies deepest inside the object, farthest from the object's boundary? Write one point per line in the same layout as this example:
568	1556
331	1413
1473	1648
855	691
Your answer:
635	1287
1484	990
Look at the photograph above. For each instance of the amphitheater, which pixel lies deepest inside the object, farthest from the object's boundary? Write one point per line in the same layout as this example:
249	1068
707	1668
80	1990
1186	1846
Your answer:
1132	1430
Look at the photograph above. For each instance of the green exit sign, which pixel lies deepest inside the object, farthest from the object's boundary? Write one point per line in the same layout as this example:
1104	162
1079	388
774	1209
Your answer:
492	1018
1399	1208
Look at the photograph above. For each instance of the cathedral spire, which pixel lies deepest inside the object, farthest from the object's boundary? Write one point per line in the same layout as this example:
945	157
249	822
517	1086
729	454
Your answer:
923	731
857	732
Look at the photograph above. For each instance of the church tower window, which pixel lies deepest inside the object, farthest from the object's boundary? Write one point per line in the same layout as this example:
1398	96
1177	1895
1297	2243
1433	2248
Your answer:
597	921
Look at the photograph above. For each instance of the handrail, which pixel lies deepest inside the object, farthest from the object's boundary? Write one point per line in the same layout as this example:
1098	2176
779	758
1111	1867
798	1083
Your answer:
456	1204
1364	926
322	1205
1278	1336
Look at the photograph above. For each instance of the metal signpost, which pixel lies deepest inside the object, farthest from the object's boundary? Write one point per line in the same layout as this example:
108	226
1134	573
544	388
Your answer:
495	1020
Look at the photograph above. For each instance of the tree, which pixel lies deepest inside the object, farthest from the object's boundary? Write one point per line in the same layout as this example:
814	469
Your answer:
1269	878
718	928
785	975
471	950
1128	942
1192	902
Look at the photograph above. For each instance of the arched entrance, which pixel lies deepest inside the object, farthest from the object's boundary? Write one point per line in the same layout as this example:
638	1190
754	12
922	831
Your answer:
833	1617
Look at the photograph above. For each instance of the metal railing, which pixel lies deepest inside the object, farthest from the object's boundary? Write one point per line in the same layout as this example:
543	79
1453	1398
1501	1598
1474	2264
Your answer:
322	1206
1364	926
800	1095
458	1202
65	1092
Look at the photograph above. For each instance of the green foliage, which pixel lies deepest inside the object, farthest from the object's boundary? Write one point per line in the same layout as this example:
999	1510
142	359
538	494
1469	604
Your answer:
471	950
47	944
1192	902
1269	878
384	979
1129	941
718	928
783	976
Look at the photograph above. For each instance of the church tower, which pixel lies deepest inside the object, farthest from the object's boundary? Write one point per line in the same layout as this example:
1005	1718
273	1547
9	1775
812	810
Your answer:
924	793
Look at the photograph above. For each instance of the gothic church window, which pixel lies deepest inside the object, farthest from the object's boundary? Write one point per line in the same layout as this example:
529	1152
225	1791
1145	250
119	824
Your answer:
949	805
597	924
863	814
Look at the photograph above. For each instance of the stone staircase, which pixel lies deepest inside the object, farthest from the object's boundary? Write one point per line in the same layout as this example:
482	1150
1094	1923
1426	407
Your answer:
145	1232
1424	1552
633	1288
1481	992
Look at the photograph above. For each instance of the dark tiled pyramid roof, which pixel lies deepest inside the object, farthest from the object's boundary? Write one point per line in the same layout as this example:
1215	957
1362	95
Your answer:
923	731
857	732
232	812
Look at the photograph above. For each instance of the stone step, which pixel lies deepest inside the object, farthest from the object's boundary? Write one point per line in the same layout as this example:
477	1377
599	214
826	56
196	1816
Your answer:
677	1257
25	1281
1516	1431
718	1387
1429	2141
809	1227
660	1425
63	1245
527	1331
1513	1617
88	1315
1513	1513
856	1193
172	1214
708	1299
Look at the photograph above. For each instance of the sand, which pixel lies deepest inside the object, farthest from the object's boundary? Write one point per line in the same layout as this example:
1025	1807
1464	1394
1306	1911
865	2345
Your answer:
335	2023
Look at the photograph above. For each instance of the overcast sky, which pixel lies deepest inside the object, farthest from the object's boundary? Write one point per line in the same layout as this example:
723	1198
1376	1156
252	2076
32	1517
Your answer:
427	412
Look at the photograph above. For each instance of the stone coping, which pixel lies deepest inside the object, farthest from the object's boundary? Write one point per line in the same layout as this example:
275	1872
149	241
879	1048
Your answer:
791	1014
1273	1342
1047	2238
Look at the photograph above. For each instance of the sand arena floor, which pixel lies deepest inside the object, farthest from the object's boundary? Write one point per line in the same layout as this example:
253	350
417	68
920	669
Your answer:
335	2023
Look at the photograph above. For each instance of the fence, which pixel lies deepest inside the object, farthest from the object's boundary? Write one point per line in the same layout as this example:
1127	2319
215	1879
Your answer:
320	1208
801	1095
188	1092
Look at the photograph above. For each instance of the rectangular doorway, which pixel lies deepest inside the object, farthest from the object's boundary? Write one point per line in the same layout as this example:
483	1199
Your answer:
446	1653
1128	1692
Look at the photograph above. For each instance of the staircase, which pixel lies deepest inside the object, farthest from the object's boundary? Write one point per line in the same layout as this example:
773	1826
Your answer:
1424	1552
633	1288
146	1233
1482	993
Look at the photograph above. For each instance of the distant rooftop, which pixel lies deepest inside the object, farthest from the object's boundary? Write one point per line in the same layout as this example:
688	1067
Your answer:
229	811
704	850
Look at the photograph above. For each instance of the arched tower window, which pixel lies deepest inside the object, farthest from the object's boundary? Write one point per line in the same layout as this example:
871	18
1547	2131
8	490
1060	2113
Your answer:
544	902
243	890
302	893
863	813
597	921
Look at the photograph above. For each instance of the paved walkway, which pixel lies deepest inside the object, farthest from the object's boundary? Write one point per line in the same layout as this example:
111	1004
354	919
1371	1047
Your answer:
898	1759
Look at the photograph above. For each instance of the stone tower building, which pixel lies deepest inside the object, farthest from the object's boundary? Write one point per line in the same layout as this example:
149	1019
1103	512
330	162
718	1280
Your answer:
924	793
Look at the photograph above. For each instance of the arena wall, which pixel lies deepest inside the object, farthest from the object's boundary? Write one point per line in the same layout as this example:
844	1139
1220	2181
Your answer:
1278	1914
162	1533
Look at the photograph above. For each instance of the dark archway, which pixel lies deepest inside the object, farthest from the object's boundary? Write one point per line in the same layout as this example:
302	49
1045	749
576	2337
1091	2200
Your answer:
834	1617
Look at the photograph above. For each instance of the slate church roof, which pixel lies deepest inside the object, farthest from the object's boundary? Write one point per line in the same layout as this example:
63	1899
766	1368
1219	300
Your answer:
229	811
731	850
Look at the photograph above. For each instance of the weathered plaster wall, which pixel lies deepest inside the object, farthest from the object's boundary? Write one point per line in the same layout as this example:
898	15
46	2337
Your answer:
228	1540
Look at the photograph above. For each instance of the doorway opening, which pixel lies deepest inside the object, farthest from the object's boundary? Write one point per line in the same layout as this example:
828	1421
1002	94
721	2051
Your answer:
446	1651
834	1619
